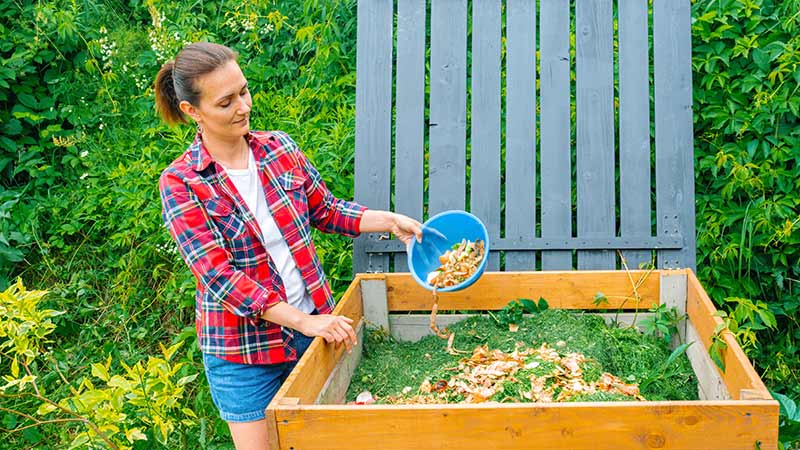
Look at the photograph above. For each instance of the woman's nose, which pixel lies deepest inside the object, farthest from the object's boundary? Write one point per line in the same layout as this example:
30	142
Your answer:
244	106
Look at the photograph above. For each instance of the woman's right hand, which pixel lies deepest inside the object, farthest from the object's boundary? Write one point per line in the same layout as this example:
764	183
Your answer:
337	329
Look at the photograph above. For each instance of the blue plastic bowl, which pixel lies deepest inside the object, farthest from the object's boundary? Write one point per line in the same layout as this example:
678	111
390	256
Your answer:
439	234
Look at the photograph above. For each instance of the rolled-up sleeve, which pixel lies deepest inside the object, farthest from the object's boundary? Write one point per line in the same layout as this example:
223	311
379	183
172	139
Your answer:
328	213
202	248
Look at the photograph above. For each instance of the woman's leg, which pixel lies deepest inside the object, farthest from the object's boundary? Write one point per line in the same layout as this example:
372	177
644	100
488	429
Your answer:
249	435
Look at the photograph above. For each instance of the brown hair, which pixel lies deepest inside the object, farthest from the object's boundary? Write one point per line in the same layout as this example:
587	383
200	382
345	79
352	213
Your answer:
177	80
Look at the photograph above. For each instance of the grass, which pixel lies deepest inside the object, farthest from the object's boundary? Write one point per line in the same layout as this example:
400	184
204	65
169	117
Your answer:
387	366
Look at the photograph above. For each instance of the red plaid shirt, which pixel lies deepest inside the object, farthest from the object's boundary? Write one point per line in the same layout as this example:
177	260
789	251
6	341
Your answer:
220	240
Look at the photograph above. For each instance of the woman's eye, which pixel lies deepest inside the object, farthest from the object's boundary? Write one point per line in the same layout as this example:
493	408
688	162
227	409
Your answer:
225	105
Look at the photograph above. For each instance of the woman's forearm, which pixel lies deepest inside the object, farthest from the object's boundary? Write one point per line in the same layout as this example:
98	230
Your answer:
285	315
376	221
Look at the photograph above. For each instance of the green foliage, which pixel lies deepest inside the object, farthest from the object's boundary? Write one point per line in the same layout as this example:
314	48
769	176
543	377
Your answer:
790	421
663	322
666	371
23	326
747	109
746	63
80	154
145	400
512	314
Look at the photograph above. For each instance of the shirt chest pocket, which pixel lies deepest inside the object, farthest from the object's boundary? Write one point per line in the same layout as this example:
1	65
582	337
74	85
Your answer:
222	215
292	182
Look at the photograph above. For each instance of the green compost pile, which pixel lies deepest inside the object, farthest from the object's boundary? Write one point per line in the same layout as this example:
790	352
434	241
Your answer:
554	355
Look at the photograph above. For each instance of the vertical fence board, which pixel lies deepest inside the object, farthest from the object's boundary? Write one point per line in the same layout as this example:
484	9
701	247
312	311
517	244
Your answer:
520	183
485	129
634	126
555	174
448	106
410	110
672	52
595	128
373	123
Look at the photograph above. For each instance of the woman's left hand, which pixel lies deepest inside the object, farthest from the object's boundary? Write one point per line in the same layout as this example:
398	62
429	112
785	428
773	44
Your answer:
405	228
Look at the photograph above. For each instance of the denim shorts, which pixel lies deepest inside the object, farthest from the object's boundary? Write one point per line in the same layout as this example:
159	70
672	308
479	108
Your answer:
242	392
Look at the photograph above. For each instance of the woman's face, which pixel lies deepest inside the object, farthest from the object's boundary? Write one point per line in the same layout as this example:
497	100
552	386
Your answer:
225	101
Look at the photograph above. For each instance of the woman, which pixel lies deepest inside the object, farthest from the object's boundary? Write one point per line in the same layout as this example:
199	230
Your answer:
239	204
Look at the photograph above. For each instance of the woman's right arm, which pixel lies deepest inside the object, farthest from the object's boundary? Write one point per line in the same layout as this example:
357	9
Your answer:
204	252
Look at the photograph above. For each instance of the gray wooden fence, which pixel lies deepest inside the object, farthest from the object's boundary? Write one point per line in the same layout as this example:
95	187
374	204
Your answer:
573	167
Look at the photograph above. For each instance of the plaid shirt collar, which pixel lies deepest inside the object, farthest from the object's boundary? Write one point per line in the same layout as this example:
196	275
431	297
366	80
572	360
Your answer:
200	157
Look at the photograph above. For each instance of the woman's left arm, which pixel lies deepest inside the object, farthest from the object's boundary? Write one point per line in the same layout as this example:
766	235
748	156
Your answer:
332	215
404	227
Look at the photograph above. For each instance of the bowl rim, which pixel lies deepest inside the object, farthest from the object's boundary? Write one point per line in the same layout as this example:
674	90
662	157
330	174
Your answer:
469	281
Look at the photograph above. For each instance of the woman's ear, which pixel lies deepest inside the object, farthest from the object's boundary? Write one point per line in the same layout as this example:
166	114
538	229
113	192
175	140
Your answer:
189	110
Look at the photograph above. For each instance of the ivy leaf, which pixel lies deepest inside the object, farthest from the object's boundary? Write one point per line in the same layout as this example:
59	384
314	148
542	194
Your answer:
761	58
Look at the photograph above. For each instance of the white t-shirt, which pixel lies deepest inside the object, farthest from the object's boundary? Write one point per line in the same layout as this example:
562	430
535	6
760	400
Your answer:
249	186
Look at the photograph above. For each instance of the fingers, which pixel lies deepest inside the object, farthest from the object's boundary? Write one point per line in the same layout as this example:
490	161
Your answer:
345	333
352	335
336	330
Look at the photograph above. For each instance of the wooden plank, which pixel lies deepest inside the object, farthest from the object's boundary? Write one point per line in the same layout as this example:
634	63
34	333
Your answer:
520	179
485	117
672	49
373	120
613	425
413	327
595	128
634	125
273	440
568	290
673	295
448	106
556	178
710	385
335	389
312	371
739	373
410	110
373	294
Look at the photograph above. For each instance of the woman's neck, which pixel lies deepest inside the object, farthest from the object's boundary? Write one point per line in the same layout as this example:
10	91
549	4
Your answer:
230	152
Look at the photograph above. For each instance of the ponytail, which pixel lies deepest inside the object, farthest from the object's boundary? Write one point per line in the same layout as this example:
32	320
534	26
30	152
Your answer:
166	99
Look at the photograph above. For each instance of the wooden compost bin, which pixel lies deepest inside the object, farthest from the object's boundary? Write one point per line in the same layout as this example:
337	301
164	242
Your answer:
735	411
